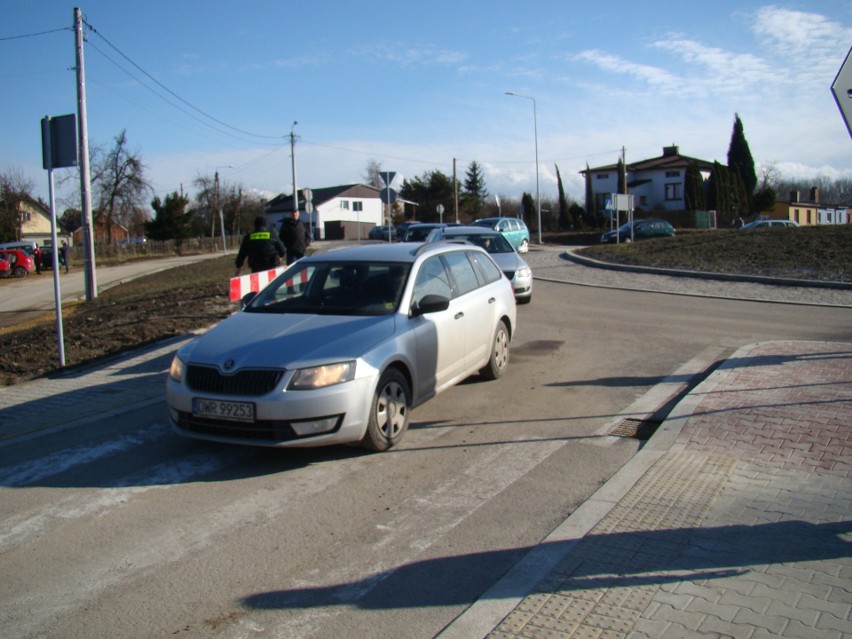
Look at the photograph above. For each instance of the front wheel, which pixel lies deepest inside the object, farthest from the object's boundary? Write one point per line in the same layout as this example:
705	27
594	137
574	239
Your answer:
389	412
499	359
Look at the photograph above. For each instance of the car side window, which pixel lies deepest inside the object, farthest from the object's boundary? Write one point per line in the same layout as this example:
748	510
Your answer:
462	270
432	279
489	271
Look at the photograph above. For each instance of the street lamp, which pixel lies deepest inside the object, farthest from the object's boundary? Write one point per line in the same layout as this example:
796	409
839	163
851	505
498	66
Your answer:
535	131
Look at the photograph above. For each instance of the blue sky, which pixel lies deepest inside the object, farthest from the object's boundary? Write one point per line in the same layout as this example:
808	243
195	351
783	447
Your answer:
415	85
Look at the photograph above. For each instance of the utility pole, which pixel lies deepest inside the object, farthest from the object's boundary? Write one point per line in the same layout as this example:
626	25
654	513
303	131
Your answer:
293	161
85	180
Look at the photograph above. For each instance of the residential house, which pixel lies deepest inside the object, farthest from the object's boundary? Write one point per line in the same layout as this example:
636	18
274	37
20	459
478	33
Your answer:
34	221
809	212
118	233
654	183
337	212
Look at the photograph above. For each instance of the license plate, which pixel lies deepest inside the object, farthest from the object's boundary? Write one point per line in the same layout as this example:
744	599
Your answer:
218	409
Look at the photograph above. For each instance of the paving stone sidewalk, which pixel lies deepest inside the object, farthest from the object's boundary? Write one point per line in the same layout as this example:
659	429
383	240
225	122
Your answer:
739	527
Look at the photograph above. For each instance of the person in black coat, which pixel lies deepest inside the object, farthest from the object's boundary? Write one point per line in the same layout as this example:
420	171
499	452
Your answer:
296	237
261	248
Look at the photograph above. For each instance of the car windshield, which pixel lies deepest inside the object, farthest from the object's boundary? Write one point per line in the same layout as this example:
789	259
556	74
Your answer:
334	288
492	242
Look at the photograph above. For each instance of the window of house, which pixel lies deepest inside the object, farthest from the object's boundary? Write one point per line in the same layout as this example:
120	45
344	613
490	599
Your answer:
602	176
643	200
671	174
357	206
673	191
344	204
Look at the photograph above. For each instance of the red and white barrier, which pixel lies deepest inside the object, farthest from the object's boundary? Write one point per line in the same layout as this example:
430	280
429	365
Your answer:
253	282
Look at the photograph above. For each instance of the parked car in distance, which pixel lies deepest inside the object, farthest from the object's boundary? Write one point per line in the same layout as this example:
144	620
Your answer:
5	267
343	345
773	224
27	246
20	263
401	228
419	232
498	247
641	230
512	228
384	233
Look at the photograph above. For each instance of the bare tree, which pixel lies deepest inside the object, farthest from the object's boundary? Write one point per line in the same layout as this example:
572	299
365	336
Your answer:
14	188
372	174
118	180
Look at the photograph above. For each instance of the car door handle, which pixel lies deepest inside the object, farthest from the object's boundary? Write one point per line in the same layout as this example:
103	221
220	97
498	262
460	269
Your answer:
491	300
459	315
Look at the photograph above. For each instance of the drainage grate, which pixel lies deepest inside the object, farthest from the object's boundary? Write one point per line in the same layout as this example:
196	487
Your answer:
636	428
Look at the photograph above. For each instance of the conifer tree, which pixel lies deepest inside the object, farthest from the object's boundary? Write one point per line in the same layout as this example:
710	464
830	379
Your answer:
694	189
171	221
564	222
741	161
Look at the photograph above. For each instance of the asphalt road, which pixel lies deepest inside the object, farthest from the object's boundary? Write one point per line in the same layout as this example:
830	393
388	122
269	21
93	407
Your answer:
119	528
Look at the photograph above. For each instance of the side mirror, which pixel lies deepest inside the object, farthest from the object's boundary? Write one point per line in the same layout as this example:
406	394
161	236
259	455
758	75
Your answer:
431	304
246	299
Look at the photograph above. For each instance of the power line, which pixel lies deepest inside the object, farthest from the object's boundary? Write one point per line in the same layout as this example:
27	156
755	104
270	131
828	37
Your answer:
33	35
170	102
175	95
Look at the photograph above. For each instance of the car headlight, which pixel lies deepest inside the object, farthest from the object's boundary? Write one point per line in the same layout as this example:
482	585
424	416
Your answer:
322	376
524	272
176	369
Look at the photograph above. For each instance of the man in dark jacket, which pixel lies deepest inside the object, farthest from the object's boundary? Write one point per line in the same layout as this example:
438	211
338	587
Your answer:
261	248
295	236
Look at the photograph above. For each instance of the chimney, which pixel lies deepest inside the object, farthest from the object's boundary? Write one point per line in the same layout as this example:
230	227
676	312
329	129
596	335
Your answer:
815	194
794	197
669	151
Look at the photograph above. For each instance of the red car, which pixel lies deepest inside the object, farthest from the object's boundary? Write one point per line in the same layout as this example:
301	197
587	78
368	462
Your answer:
20	264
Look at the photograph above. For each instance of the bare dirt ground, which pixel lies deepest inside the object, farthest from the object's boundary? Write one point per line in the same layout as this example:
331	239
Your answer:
192	297
157	306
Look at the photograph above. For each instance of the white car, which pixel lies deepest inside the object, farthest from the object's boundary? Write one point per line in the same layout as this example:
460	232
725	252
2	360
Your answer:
343	345
498	247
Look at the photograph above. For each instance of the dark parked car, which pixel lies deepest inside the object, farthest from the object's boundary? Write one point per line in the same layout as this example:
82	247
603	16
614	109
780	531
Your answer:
401	228
639	230
384	233
771	224
419	232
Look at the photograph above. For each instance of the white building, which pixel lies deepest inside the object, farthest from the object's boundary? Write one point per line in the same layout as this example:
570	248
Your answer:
655	182
338	212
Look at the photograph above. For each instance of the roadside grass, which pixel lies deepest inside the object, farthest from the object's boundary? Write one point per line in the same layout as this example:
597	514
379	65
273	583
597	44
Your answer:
809	253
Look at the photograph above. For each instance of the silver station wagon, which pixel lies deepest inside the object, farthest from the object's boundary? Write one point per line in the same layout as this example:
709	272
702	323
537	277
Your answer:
343	345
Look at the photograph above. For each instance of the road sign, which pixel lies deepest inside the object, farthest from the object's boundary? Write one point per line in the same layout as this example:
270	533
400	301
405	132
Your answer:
387	177
388	196
842	90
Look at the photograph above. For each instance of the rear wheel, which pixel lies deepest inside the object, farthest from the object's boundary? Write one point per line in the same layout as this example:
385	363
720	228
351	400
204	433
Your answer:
20	271
499	359
389	412
524	247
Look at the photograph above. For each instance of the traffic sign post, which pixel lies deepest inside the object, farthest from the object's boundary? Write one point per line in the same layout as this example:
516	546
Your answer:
841	88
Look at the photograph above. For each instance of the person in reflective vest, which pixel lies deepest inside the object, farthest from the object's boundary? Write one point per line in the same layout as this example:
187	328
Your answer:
262	248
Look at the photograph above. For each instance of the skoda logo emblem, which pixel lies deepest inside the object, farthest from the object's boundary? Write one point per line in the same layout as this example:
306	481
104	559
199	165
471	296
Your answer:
229	364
